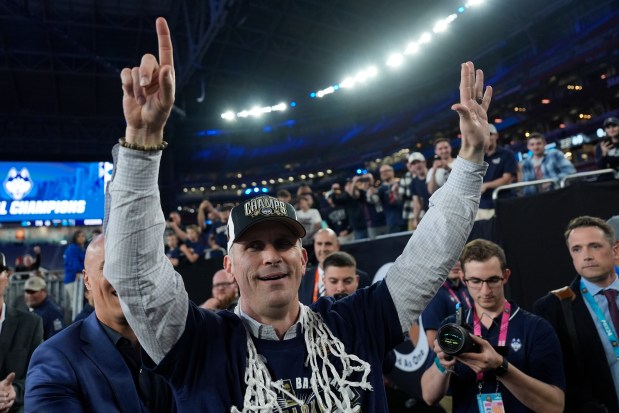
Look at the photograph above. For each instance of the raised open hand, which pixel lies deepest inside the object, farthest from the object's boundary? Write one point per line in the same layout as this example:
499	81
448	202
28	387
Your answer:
473	111
148	92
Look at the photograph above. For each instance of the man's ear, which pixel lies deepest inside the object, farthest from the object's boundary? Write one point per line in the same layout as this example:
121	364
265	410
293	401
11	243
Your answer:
304	259
228	264
506	274
86	280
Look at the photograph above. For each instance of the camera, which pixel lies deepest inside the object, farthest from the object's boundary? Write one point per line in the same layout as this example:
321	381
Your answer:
454	338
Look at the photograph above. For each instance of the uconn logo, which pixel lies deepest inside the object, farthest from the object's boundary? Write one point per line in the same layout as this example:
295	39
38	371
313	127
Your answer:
18	183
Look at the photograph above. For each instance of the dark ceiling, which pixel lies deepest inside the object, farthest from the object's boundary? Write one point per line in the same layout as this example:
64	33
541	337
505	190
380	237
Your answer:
61	59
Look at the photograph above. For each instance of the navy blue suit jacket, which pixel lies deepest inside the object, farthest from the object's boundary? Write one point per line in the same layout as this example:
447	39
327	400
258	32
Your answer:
595	374
80	370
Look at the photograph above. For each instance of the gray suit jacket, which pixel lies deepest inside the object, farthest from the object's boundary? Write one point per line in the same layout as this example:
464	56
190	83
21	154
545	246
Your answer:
21	333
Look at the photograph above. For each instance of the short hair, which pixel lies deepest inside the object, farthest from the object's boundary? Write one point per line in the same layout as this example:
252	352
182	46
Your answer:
195	228
589	221
441	139
339	259
537	135
482	250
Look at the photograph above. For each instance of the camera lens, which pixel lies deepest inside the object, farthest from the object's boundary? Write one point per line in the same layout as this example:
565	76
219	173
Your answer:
454	340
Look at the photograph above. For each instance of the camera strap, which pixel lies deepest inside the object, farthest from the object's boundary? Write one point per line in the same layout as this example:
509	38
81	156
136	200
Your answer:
454	296
507	309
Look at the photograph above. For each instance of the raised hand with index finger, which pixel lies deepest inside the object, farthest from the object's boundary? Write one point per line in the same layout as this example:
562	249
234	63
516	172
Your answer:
148	92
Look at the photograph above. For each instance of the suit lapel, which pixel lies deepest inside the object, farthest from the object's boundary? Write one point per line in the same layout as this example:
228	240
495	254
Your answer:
100	349
9	327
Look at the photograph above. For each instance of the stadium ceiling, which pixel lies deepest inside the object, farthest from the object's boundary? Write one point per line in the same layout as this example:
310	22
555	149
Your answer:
61	98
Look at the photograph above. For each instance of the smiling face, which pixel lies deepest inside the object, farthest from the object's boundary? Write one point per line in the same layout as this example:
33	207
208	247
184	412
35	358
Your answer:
267	262
325	242
593	255
443	150
104	297
536	145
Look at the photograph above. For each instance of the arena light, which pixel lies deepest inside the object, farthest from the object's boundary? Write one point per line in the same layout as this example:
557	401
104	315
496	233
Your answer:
442	25
229	115
395	60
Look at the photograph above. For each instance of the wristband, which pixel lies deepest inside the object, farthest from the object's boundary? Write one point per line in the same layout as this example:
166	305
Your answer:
150	148
439	366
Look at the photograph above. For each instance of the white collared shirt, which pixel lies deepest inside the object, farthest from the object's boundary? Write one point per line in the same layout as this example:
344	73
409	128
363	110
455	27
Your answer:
2	316
265	331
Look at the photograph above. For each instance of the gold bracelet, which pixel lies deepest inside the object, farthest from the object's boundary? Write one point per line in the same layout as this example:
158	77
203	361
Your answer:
142	148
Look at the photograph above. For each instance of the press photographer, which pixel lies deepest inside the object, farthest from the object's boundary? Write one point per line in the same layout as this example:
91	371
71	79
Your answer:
514	363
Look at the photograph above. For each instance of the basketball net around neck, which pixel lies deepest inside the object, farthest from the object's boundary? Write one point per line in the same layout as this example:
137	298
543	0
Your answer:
262	392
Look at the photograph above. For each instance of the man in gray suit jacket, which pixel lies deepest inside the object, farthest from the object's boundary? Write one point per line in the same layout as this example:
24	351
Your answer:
20	334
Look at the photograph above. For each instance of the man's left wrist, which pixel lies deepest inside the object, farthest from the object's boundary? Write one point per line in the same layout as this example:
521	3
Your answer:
502	368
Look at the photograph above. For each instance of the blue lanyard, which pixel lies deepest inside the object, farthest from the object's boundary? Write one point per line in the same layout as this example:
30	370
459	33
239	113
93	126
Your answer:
608	329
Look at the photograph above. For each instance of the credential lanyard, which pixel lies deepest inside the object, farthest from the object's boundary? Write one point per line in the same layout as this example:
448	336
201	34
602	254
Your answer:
507	308
316	294
608	329
454	296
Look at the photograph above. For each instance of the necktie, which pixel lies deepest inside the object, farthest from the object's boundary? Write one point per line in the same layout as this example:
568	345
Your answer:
611	296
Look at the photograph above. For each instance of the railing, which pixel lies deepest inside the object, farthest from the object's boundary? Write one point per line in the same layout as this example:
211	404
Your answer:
589	174
553	181
55	288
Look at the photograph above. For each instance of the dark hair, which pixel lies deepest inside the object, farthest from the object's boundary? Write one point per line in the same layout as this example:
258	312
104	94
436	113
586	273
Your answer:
482	250
537	135
588	221
441	139
284	193
339	259
75	235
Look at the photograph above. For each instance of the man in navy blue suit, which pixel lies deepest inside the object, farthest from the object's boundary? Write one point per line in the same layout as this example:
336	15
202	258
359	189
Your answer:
94	365
583	317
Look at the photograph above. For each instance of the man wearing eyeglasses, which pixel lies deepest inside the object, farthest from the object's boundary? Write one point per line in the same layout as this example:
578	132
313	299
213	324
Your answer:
224	294
519	365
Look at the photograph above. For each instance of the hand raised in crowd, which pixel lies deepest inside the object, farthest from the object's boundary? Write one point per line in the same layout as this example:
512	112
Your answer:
605	147
438	163
473	111
7	393
148	92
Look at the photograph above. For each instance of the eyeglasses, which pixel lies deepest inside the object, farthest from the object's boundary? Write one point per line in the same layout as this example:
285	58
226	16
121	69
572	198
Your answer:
491	282
223	285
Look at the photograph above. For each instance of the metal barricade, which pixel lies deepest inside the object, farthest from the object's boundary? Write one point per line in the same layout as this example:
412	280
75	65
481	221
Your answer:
519	185
55	288
586	175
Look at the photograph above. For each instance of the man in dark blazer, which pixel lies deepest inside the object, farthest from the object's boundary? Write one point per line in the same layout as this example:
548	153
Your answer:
312	286
591	363
94	365
20	334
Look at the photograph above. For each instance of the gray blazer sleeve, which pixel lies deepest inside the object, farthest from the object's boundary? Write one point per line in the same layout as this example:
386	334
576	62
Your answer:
436	244
152	293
